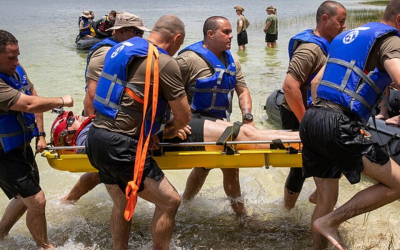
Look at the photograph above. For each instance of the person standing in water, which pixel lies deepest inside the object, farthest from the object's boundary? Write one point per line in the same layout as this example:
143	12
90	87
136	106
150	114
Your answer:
242	25
271	28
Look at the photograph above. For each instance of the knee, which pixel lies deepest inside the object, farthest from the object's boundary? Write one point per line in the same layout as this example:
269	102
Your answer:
230	173
38	203
295	180
174	203
201	172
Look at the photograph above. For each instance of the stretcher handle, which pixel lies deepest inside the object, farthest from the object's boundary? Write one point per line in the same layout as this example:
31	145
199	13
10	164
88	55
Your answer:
184	144
64	148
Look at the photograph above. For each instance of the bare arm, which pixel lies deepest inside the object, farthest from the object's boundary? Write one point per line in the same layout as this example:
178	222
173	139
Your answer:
240	26
293	95
181	110
41	142
89	97
315	83
245	103
392	66
267	26
37	104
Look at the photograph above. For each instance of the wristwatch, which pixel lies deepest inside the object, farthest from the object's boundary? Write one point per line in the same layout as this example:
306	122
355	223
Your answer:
42	134
248	117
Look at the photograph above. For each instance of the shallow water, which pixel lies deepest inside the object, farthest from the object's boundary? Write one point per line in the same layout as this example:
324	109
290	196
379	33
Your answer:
46	32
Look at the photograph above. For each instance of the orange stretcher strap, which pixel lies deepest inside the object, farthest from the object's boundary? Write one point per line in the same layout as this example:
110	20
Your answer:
133	186
133	95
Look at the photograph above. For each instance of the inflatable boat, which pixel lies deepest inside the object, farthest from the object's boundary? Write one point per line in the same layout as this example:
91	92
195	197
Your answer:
382	134
86	43
64	158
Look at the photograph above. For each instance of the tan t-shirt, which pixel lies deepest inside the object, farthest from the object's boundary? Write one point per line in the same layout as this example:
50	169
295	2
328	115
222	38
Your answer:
193	67
245	22
307	59
387	47
171	88
8	95
96	63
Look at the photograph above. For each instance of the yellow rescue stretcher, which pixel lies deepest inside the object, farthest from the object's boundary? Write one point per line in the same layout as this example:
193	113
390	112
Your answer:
63	158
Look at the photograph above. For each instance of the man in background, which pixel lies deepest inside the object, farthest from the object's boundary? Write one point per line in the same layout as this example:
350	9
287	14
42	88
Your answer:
242	25
271	28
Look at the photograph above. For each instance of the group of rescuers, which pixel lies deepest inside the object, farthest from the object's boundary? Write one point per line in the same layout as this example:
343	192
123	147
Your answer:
333	98
88	27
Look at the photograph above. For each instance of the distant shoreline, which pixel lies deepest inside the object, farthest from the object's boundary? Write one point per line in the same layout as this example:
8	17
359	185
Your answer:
377	3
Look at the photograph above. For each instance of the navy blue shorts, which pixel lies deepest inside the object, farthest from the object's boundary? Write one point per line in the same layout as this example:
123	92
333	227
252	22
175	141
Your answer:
113	154
19	174
333	144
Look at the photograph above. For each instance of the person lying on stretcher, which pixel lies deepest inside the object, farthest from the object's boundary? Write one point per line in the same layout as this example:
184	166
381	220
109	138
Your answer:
71	130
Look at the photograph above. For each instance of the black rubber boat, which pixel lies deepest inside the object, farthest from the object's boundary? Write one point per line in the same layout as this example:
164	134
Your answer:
87	43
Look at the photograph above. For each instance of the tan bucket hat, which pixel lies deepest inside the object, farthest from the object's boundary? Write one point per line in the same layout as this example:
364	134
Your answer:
126	19
239	8
270	8
86	14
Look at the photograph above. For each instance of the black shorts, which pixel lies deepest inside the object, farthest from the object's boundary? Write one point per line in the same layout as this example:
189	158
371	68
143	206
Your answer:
197	125
242	38
334	145
113	154
289	119
19	174
271	38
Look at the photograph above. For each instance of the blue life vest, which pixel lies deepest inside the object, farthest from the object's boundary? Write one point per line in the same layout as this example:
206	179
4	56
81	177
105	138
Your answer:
307	36
16	128
345	81
113	81
106	42
85	32
213	95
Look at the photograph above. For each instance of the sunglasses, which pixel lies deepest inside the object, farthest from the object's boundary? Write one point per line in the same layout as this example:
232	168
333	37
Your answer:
70	121
136	31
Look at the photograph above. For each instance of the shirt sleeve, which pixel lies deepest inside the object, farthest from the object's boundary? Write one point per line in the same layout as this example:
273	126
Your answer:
307	60
96	63
171	80
390	49
8	96
240	81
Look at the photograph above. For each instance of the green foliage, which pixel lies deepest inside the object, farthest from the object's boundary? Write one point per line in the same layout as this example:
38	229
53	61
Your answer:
377	3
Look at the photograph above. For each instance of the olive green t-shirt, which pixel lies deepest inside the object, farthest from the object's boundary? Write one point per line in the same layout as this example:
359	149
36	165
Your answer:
307	59
273	28
8	95
96	63
193	67
170	86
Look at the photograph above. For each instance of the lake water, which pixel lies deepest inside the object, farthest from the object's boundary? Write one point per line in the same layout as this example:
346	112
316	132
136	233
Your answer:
46	32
